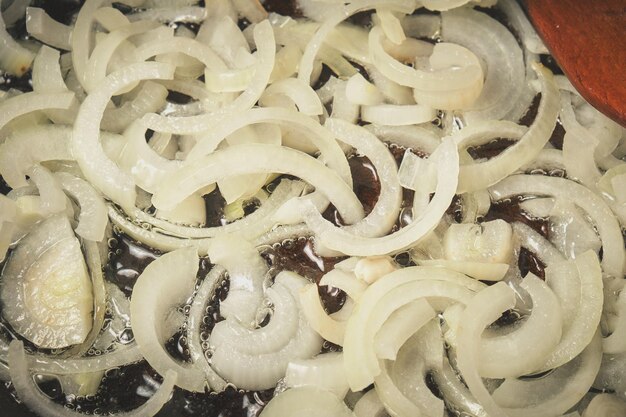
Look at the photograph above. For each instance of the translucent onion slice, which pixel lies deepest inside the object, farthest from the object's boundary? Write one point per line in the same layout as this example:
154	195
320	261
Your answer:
299	92
247	272
250	366
98	169
362	92
29	102
257	158
605	405
537	244
46	292
517	18
150	97
457	395
397	115
42	27
92	219
29	393
326	326
401	384
483	174
369	405
479	270
555	393
82	37
524	349
197	341
154	294
324	371
380	300
601	216
485	308
316	42
505	73
306	402
417	138
349	244
53	199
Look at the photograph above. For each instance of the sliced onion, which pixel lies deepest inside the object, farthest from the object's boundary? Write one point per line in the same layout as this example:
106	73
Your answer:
324	371
593	205
247	272
479	270
189	14
29	393
41	26
396	115
338	239
380	300
30	102
53	199
14	58
483	174
362	92
255	158
300	93
47	259
86	148
555	393
369	405
485	308
306	402
326	326
605	405
252	366
92	220
537	244
154	294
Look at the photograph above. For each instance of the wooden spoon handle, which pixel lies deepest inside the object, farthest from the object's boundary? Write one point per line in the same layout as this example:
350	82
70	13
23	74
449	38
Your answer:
588	40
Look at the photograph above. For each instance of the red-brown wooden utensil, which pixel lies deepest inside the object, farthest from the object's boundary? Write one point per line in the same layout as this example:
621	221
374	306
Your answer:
588	40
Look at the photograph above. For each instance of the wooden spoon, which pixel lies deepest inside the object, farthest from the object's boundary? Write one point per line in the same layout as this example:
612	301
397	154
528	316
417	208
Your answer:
588	40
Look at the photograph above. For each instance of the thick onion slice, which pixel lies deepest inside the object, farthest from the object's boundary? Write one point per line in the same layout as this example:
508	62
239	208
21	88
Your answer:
341	240
369	405
252	366
306	402
600	214
480	175
98	169
327	326
605	405
485	308
30	102
247	272
41	26
324	371
555	393
29	393
384	297
14	58
155	293
255	158
92	219
483	271
46	292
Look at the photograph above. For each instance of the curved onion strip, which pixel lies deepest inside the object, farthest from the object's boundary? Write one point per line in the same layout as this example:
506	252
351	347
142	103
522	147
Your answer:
496	45
454	81
29	393
316	42
187	46
246	369
328	327
154	294
48	78
485	308
415	137
29	102
396	289
578	158
483	271
369	405
616	342
457	395
255	158
592	204
400	326
517	18
537	244
92	220
323	371
483	174
605	405
247	271
196	315
362	92
96	69
148	168
345	281
53	199
86	148
300	93
306	402
150	97
82	37
349	244
523	350
41	26
555	393
190	14
277	333
401	384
